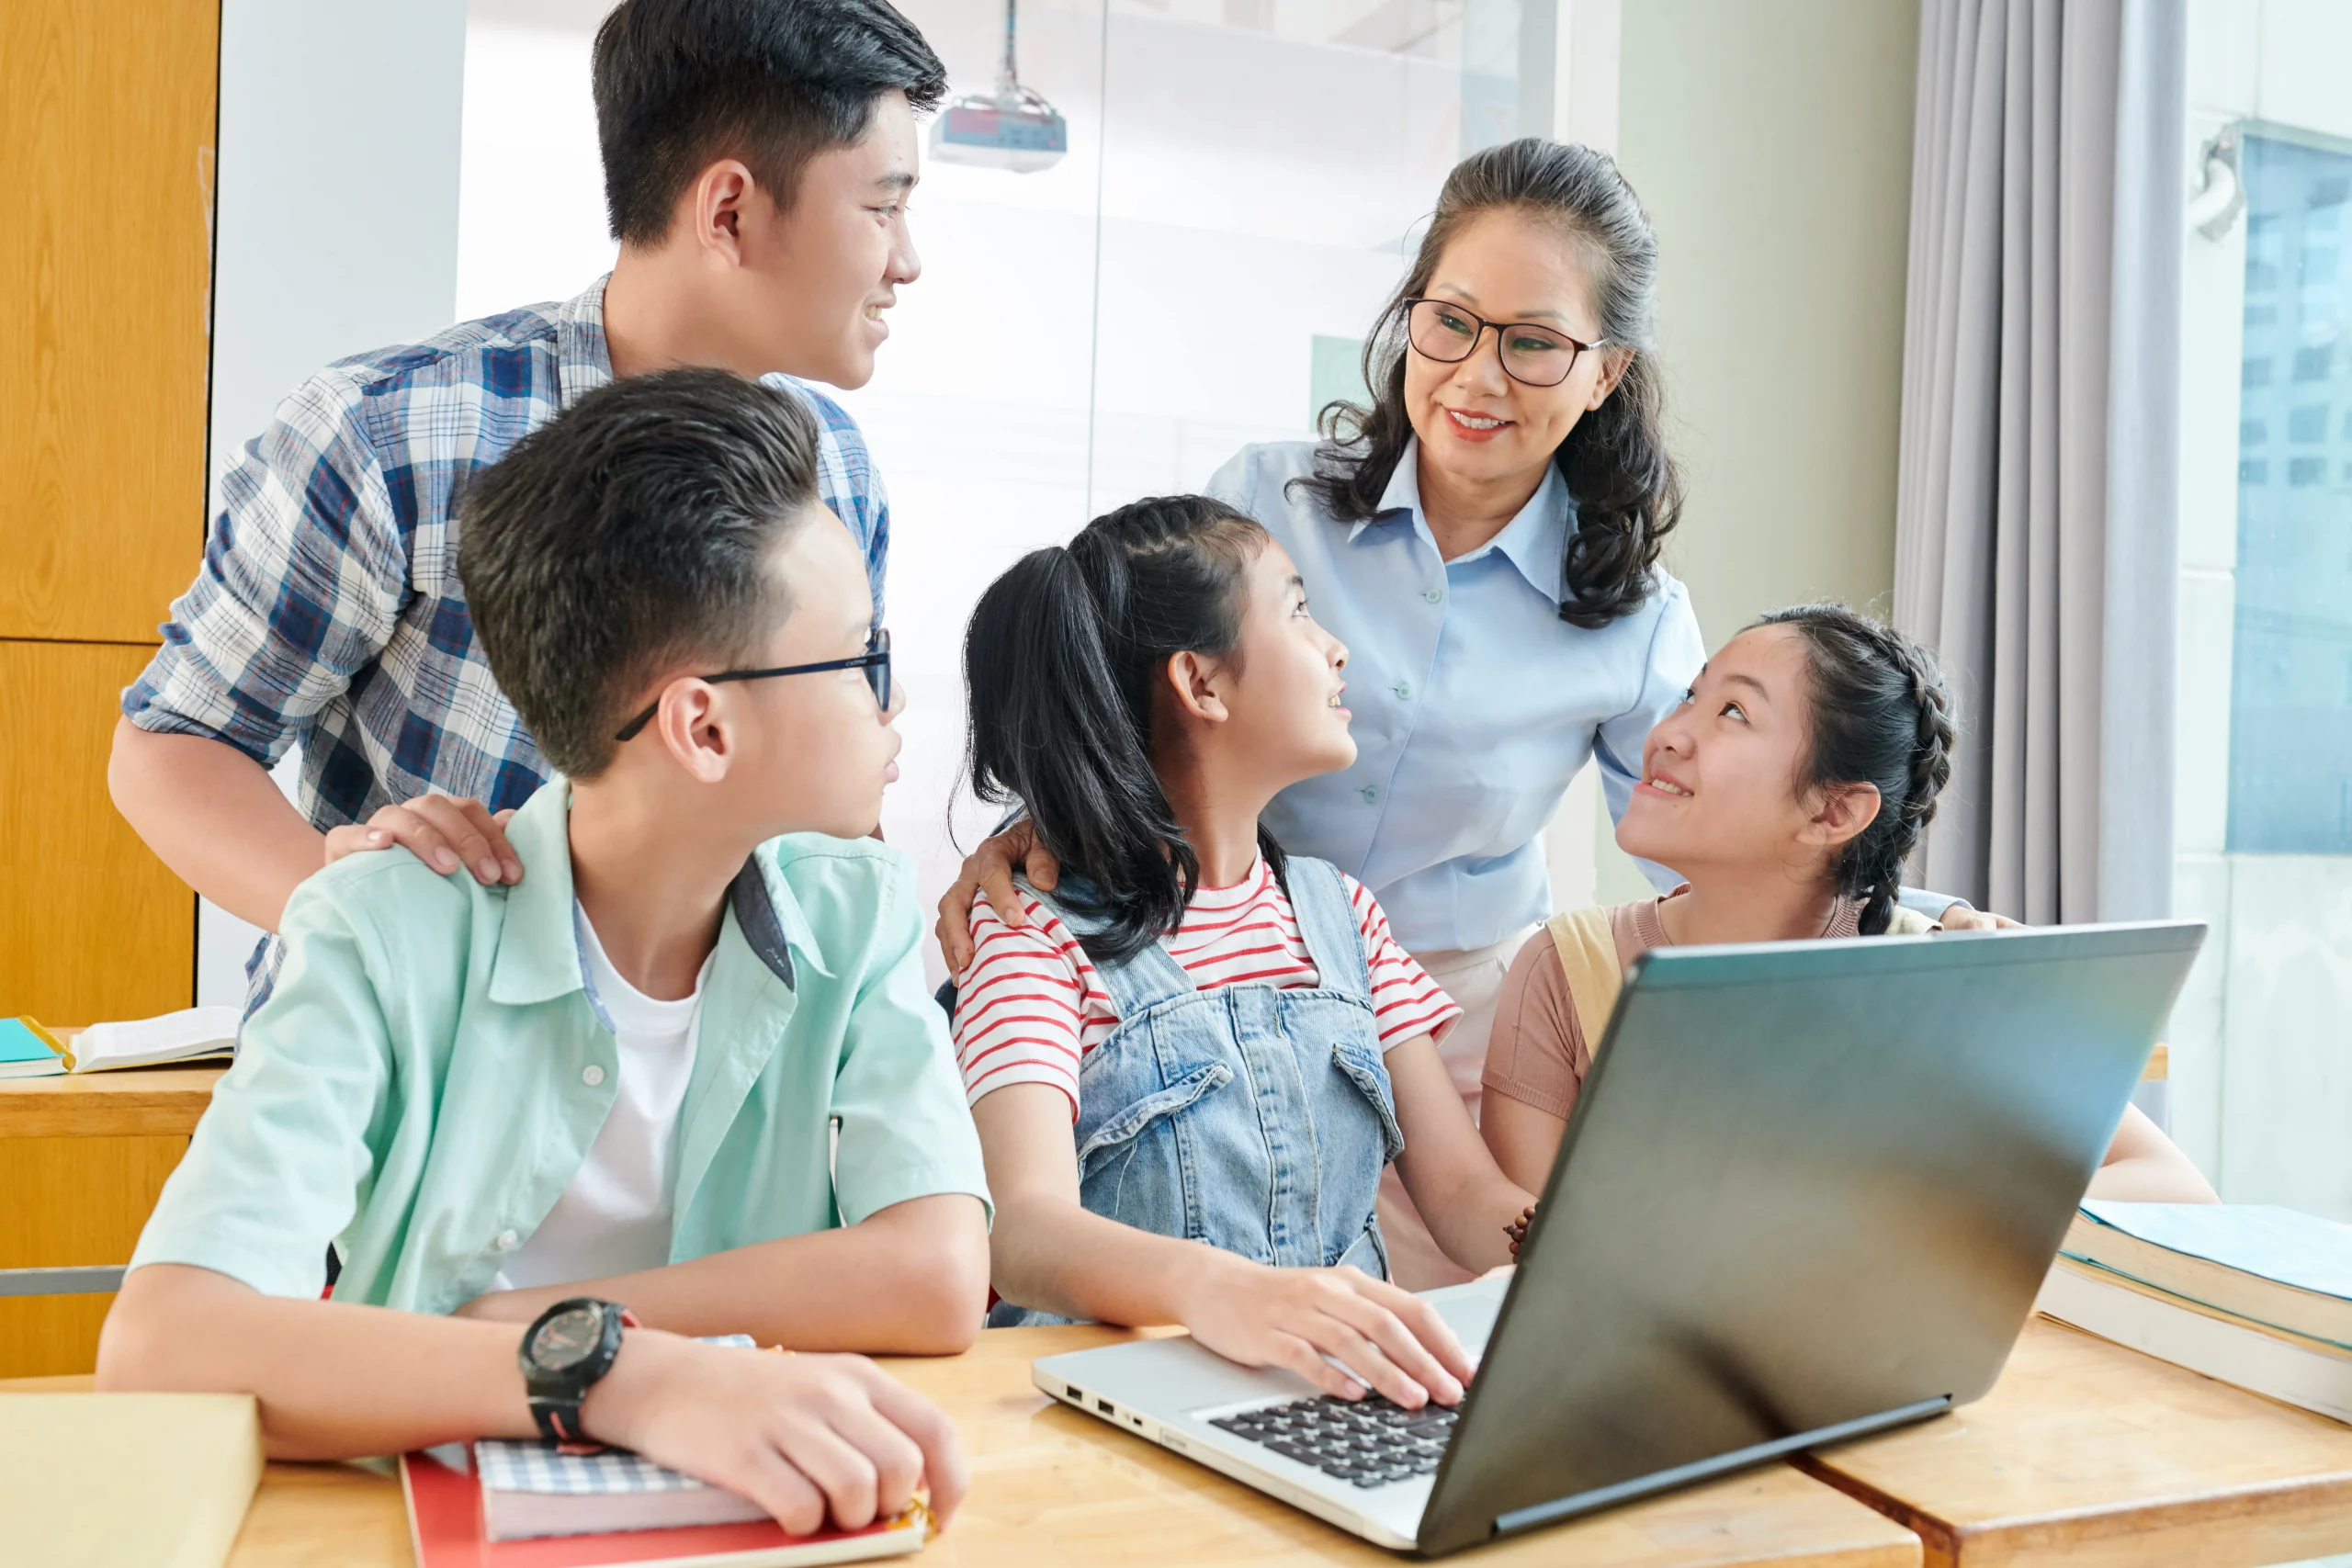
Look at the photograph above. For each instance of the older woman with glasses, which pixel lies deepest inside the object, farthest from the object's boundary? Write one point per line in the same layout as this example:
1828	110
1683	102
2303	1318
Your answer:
1485	539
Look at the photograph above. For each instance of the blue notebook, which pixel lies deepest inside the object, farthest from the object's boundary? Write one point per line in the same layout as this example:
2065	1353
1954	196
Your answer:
25	1053
2285	1245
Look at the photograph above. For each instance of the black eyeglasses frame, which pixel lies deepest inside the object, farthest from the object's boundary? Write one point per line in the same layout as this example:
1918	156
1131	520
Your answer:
1579	349
874	662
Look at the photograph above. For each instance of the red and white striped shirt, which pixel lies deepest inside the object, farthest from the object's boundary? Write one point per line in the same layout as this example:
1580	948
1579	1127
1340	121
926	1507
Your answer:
1030	1004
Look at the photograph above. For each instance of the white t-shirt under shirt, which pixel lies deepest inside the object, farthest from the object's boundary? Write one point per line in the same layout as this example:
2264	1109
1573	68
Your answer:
1029	1005
615	1217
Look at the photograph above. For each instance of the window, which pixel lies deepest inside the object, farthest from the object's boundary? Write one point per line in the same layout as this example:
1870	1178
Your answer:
2260	1091
2293	618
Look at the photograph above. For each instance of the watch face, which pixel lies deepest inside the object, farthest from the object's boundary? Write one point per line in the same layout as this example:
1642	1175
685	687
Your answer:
567	1338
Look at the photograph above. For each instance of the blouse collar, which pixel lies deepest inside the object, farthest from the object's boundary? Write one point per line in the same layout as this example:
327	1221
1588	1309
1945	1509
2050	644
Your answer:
1533	541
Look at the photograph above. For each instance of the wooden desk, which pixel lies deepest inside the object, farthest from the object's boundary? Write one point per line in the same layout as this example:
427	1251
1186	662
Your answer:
2085	1452
1053	1487
80	1160
135	1101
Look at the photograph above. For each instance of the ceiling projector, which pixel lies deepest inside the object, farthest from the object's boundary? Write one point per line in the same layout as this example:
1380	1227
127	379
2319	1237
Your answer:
1012	128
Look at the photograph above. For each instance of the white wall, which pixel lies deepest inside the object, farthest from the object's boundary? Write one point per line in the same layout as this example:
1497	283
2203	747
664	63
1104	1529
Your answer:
337	230
1771	147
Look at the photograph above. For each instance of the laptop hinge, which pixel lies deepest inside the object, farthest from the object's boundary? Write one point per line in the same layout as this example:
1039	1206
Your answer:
1738	1459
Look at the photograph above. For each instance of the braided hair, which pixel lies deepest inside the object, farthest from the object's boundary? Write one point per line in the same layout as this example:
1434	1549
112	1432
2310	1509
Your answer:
1061	662
1881	716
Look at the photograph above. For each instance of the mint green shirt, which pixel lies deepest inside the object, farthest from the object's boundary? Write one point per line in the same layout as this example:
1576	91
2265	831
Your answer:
430	1071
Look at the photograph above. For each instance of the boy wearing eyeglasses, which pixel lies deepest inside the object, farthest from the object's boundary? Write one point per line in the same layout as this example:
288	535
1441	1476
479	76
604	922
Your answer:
687	1070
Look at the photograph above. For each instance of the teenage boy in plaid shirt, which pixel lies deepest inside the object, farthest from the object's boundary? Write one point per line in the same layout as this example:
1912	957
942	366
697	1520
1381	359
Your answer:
758	155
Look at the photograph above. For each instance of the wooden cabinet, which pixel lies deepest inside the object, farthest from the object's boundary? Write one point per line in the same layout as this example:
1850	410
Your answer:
107	136
92	925
106	116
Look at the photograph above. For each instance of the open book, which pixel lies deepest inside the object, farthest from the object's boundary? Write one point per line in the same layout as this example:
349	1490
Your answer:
192	1034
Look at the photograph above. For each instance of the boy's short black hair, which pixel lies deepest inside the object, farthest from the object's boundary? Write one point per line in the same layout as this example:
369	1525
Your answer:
636	528
681	83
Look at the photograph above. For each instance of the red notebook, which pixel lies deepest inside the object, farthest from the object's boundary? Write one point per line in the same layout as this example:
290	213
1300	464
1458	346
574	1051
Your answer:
446	1525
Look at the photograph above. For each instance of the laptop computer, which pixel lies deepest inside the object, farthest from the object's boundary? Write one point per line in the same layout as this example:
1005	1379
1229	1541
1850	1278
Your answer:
1808	1192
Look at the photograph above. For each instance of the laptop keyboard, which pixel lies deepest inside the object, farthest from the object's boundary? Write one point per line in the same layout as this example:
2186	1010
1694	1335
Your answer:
1367	1443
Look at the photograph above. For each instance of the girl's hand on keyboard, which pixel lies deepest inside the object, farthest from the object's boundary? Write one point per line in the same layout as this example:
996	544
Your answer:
1388	1338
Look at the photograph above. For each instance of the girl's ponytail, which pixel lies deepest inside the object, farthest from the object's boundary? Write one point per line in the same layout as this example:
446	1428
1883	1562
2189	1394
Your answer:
1881	716
1061	662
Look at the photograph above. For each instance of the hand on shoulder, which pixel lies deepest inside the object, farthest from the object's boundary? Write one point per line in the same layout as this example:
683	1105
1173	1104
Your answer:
1961	917
441	831
988	872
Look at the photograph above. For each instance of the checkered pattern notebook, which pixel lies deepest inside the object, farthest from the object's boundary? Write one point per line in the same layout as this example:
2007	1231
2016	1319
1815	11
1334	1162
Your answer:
525	1488
537	1467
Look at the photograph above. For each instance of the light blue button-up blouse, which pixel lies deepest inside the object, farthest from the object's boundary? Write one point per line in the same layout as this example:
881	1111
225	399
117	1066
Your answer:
1475	703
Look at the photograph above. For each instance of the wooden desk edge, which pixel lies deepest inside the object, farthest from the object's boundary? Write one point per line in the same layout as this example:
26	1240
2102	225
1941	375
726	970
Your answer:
131	1102
2080	1530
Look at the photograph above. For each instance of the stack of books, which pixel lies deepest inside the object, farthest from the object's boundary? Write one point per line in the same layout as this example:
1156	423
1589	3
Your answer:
532	1505
2259	1297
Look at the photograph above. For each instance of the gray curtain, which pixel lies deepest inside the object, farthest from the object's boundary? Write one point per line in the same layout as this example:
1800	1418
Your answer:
2037	498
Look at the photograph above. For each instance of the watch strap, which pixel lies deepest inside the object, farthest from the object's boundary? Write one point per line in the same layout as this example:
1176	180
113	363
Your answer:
559	1418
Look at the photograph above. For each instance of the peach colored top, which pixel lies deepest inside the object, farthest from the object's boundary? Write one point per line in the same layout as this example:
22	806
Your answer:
1537	1054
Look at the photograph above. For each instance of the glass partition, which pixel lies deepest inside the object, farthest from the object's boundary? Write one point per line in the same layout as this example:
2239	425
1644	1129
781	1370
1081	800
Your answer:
1243	181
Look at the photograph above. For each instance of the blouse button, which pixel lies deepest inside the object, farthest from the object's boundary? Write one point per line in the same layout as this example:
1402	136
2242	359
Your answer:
1369	795
1435	595
1404	690
592	1074
506	1240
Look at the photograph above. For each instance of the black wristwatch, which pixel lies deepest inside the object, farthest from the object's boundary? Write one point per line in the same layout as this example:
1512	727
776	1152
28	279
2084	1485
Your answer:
572	1345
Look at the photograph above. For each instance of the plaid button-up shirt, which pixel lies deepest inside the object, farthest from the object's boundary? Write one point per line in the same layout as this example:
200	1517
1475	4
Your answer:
328	610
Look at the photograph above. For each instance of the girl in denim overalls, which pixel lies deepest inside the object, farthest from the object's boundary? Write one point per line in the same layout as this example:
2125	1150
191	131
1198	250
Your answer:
1195	1039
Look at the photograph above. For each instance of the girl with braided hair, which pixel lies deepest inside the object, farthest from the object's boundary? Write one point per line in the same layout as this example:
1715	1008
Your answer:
1786	790
1193	1038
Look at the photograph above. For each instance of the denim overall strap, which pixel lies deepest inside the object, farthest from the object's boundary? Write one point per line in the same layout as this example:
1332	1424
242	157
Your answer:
1143	982
1326	919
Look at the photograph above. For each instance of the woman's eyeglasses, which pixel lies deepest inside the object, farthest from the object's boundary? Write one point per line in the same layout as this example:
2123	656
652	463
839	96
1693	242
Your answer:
874	662
1533	356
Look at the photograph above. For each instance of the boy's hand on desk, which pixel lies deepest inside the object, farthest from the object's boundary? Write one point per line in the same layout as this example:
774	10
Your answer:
801	1435
442	832
1293	1318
